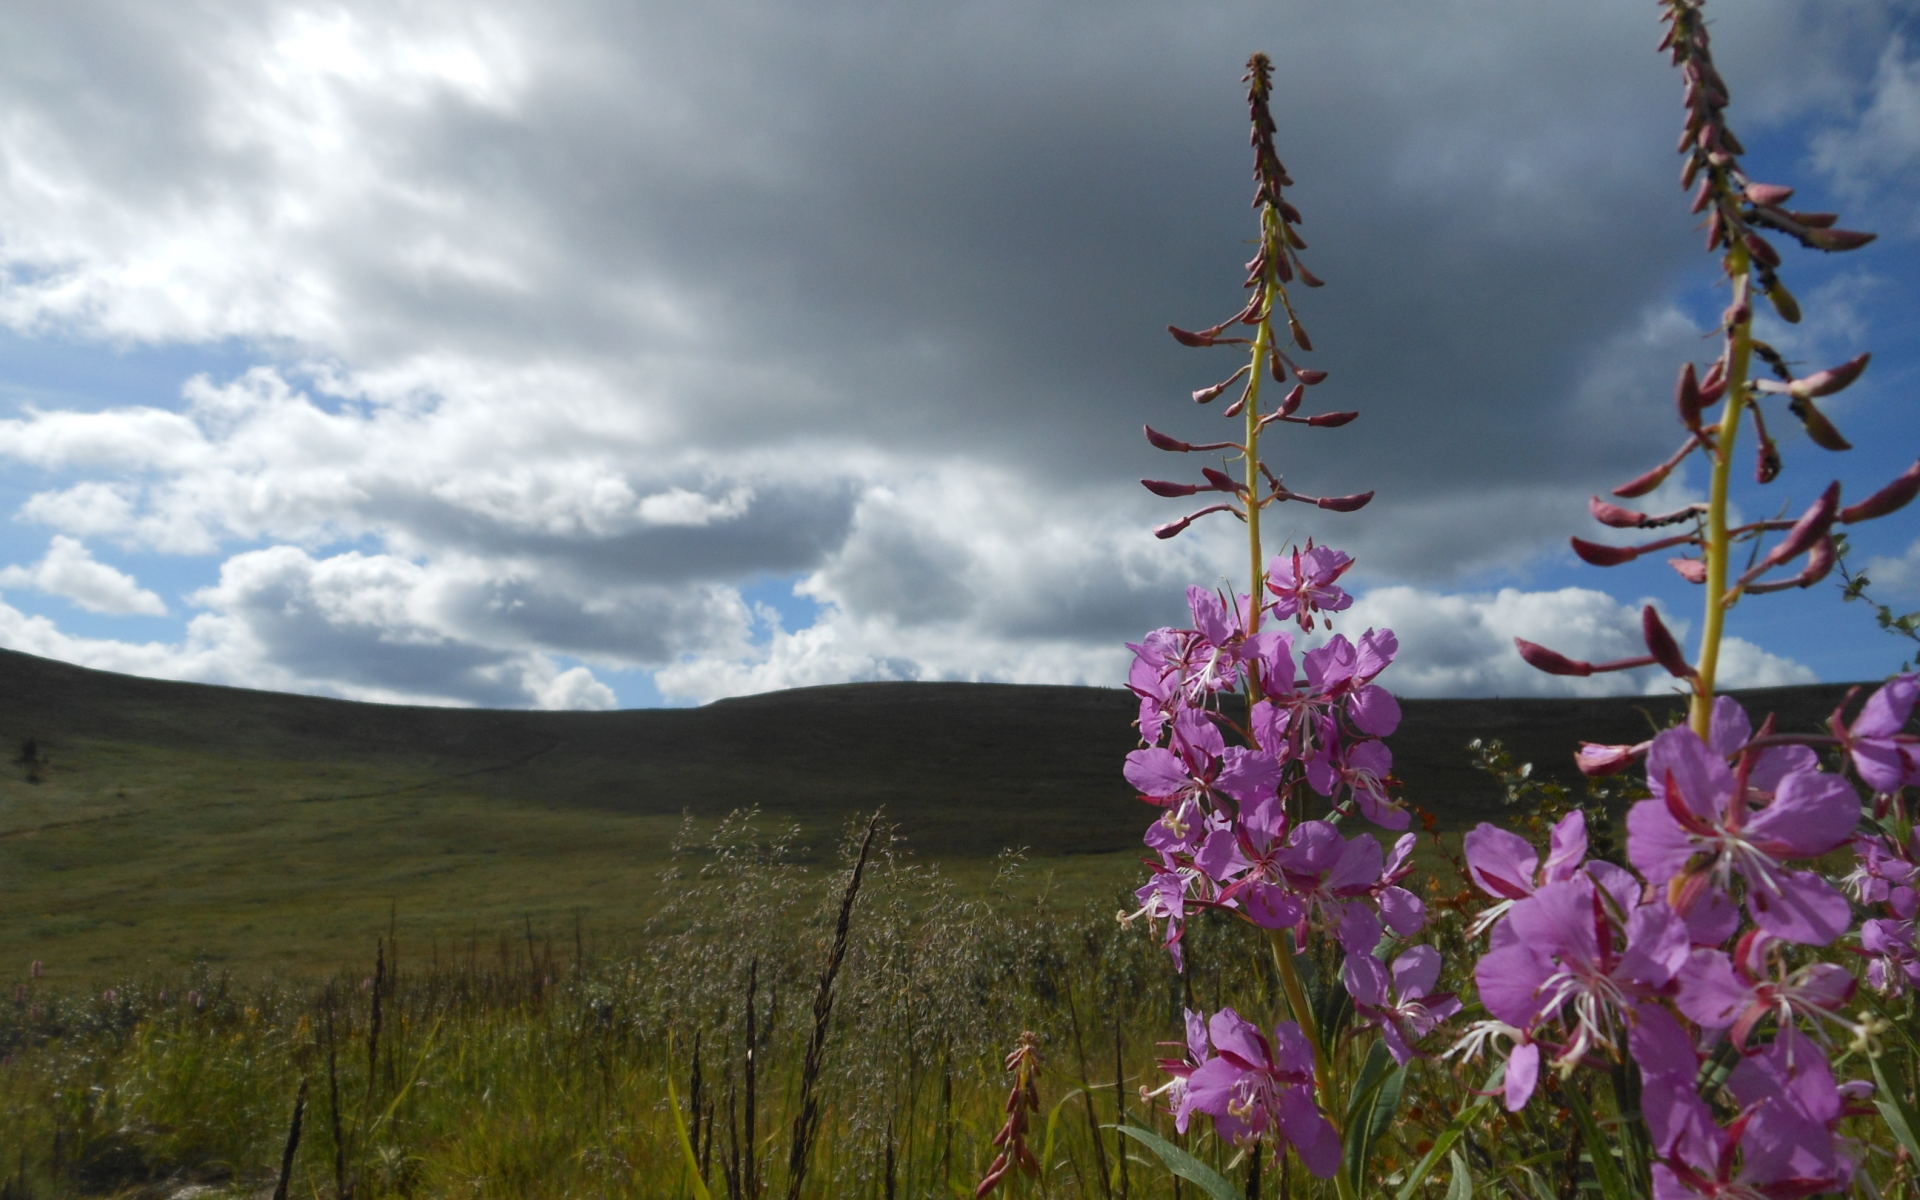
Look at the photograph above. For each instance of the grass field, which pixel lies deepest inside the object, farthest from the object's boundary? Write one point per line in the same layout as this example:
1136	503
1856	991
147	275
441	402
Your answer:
170	823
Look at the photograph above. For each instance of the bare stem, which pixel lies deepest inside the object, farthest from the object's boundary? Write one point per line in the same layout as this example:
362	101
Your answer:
1719	546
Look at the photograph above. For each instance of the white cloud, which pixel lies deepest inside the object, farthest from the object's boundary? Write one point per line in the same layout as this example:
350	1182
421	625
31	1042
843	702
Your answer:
69	570
566	335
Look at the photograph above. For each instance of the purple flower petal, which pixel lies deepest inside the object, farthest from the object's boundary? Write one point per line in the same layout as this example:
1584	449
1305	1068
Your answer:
1501	862
1374	710
1157	772
1656	845
1311	1133
1805	908
1702	777
1234	1035
1811	813
1509	978
1711	995
1887	710
1403	912
1566	848
1523	1072
1415	972
1366	980
1272	907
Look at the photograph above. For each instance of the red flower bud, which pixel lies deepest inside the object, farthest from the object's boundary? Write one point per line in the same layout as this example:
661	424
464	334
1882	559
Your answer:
1615	516
1820	429
1221	481
1831	380
1309	376
1299	333
1551	661
1596	760
1641	485
1810	528
1833	240
1814	220
1690	569
1820	562
1687	398
1762	250
1308	277
1207	395
1603	556
1169	489
1162	442
1660	643
1332	420
1293	399
1769	193
1891	498
1345	503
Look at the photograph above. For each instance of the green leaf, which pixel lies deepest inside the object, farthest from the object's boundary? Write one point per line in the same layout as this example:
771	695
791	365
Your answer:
1462	1186
1606	1172
680	1127
1893	1107
1376	1097
1443	1144
1185	1165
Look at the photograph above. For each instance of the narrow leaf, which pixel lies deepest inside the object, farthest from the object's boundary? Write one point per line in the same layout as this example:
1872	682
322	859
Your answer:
1462	1186
1185	1165
1443	1144
1606	1172
1900	1119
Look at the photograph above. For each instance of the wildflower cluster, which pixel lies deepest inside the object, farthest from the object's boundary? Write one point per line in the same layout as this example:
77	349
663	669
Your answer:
1244	728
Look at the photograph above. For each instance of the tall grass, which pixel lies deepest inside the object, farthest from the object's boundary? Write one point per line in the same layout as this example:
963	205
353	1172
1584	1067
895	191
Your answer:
537	1066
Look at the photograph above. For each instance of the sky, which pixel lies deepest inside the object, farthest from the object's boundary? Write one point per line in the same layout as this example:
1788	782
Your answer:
581	354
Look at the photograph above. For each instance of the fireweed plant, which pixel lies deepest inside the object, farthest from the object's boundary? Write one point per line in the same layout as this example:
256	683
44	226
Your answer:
1734	992
1260	763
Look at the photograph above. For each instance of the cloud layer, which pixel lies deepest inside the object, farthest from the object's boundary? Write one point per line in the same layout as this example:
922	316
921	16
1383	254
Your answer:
576	323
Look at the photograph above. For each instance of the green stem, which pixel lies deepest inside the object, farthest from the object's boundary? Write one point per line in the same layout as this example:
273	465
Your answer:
1262	343
1718	550
1323	1081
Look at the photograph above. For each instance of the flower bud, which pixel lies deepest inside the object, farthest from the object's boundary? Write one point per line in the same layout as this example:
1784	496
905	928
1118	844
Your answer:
1551	661
1207	395
1762	250
1820	429
1810	528
1169	489
1299	333
1783	302
1687	398
1343	504
1702	196
1769	193
1615	516
1221	481
1603	556
1187	337
1820	562
1831	380
1661	645
1690	569
1309	376
1308	277
1833	240
1814	220
1332	420
1891	498
1641	485
1162	442
1293	399
1596	760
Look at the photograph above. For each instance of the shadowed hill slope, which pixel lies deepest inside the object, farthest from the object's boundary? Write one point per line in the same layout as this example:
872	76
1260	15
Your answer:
967	769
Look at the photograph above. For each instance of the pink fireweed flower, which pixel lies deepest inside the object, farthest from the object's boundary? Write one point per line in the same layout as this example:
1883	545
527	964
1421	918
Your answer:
1198	764
1784	1139
1523	1058
1883	874
1735	992
1505	865
1563	956
1360	770
1199	1049
1886	758
1255	1087
1248	854
1404	1005
1333	878
1164	898
1700	829
1295	717
1894	959
1303	583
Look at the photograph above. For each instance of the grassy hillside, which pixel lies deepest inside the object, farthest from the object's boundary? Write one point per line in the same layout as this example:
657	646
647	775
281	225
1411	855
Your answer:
172	822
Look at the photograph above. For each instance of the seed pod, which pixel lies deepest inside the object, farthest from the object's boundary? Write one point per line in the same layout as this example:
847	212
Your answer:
1891	498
